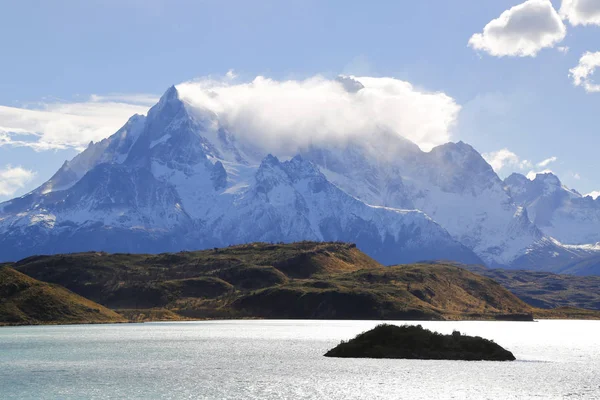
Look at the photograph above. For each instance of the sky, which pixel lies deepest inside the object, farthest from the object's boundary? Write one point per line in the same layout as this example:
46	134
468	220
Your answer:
513	78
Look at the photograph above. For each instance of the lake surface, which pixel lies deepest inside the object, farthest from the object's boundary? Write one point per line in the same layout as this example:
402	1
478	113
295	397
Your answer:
284	360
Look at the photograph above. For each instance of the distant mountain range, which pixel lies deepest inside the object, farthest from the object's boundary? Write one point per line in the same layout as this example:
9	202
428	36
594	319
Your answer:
178	179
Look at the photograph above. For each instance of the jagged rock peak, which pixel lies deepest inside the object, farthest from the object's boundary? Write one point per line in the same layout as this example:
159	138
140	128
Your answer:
299	168
459	153
169	103
270	159
515	177
548	178
169	95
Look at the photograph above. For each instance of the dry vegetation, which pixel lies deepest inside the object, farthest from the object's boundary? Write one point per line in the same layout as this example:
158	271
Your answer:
260	280
26	301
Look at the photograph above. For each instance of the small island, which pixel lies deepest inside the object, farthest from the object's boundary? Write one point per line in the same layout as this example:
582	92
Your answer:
415	342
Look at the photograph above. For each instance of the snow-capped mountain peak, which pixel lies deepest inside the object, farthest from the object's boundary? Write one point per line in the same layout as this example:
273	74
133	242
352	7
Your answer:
558	211
179	179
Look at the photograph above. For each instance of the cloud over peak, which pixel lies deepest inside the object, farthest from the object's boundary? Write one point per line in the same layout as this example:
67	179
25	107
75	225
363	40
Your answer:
521	31
594	194
290	114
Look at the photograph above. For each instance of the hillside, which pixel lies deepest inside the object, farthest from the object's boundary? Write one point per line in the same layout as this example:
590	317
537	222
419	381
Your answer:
299	280
547	290
586	267
27	301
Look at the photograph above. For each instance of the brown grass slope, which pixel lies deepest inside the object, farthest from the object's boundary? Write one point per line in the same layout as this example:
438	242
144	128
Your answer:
419	291
260	280
27	301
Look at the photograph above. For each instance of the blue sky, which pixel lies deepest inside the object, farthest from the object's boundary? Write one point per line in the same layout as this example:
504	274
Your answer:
102	60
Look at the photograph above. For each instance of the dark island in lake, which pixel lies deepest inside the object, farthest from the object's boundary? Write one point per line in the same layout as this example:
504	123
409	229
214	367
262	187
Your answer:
415	342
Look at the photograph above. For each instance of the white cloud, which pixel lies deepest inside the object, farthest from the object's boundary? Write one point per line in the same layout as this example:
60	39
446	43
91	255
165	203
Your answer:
501	158
582	73
543	164
563	49
231	74
505	158
581	12
69	125
285	114
577	176
595	194
141	99
288	115
547	162
532	174
521	31
13	179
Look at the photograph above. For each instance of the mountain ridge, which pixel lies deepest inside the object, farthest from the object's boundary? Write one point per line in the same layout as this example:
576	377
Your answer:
178	179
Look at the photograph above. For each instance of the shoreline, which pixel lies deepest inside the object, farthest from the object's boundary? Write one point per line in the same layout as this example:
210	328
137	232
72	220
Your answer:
4	325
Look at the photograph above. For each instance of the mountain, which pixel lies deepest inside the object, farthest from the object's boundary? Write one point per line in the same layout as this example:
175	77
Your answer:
27	301
452	184
298	280
175	180
178	179
558	211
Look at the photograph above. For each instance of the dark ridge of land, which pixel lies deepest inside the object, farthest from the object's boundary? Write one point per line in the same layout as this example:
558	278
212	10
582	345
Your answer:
27	301
415	342
586	267
304	280
547	290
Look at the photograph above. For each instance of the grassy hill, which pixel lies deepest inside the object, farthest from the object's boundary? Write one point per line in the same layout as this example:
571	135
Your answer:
299	280
27	301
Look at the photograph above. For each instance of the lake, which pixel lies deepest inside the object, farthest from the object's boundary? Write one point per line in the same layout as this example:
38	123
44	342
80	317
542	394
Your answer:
276	359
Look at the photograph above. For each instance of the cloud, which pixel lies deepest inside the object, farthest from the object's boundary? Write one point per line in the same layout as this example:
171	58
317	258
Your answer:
140	99
582	73
505	158
594	195
13	179
62	125
521	31
231	74
542	164
577	176
547	162
285	114
581	12
288	115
